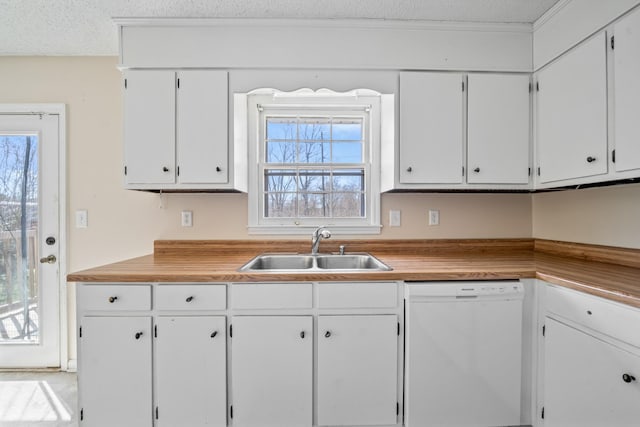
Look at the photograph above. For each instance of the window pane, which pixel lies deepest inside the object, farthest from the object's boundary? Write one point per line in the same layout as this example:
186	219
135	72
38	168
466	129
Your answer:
314	180
348	180
313	205
347	152
314	129
280	205
280	180
281	152
347	130
347	205
281	128
314	152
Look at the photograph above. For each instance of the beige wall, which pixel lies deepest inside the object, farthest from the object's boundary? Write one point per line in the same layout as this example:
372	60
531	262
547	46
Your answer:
604	216
123	224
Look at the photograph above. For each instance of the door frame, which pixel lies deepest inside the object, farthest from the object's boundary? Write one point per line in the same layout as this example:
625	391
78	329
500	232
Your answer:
60	110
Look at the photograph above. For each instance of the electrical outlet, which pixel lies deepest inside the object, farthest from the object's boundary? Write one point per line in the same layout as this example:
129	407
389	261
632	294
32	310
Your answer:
394	218
187	218
434	217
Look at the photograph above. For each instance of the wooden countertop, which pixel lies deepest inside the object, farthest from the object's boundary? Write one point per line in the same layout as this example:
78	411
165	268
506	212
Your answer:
414	260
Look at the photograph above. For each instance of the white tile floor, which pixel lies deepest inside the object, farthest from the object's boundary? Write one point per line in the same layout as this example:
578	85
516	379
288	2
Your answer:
38	399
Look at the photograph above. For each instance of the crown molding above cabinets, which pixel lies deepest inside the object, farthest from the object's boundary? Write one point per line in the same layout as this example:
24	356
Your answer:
324	44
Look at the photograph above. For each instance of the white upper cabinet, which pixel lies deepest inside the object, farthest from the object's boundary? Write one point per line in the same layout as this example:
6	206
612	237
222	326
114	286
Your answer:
149	127
202	118
626	96
431	128
498	129
176	130
572	114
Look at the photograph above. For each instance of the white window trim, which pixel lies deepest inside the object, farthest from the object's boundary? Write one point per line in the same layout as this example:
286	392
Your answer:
250	121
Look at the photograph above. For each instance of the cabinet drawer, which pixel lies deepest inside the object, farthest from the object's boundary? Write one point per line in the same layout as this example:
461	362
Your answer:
191	297
271	295
357	295
595	313
114	297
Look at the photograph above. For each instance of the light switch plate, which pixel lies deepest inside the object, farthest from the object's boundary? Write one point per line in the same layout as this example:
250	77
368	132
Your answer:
394	218
434	217
82	218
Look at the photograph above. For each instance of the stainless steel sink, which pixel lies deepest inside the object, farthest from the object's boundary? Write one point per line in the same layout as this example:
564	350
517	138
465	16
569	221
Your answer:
350	262
314	263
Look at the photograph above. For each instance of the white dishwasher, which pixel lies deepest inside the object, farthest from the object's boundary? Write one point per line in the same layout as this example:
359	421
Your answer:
463	353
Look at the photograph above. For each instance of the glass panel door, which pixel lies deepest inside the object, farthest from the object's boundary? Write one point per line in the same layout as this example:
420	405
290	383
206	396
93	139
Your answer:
29	227
19	305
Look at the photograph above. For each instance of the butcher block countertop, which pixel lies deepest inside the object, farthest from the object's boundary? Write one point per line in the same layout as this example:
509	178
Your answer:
609	272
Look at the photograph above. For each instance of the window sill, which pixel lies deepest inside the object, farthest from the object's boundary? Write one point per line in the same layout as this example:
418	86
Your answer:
308	230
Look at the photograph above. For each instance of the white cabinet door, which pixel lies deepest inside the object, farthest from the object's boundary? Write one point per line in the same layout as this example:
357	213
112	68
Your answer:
149	127
572	114
626	60
583	380
357	370
431	128
191	371
272	369
202	146
114	378
498	129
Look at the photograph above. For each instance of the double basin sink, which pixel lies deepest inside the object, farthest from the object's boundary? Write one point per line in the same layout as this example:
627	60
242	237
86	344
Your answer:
356	262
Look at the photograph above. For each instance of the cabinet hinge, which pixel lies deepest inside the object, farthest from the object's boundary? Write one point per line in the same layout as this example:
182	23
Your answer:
397	408
463	171
231	411
178	170
463	86
537	86
156	412
544	330
125	83
81	414
231	331
613	156
542	414
398	328
125	170
538	170
80	333
155	331
612	42
529	171
530	87
178	83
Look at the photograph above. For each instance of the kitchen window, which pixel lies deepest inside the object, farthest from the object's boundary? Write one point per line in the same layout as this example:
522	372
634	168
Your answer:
314	160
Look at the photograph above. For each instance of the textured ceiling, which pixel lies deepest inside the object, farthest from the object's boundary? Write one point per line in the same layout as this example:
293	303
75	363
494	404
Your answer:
84	27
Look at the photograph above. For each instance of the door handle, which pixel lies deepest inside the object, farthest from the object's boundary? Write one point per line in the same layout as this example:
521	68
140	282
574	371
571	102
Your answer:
51	259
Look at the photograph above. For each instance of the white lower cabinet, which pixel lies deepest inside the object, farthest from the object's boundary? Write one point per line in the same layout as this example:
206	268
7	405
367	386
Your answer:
114	384
191	371
587	381
591	361
272	371
357	370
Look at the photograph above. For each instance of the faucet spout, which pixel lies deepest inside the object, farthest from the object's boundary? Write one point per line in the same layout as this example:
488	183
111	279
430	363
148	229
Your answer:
320	233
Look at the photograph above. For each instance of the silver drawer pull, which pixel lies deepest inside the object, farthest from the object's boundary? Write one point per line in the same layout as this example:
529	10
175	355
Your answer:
112	299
